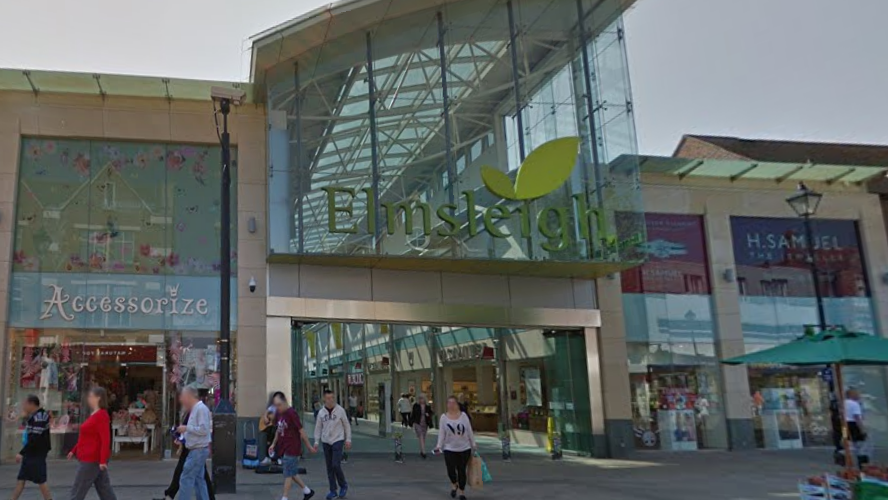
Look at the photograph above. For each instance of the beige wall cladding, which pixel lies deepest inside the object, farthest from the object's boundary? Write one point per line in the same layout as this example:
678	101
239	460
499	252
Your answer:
278	355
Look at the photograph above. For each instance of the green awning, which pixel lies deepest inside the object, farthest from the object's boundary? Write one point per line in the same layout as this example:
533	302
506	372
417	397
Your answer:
734	170
111	85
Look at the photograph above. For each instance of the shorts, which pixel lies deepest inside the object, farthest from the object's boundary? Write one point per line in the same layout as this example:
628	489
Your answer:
33	469
291	465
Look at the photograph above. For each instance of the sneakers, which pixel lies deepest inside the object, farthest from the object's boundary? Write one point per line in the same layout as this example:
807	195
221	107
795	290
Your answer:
308	495
265	461
332	495
343	492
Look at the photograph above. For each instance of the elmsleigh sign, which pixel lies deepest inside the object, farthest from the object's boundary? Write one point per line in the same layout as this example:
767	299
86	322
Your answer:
116	301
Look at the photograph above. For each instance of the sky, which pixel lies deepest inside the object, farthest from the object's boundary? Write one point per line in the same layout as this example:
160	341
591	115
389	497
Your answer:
789	69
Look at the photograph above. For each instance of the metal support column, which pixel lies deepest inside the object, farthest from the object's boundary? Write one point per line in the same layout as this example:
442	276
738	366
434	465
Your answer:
375	216
297	362
513	46
300	164
590	117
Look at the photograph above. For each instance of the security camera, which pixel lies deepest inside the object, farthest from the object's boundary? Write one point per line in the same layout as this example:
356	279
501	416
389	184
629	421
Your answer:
252	285
235	96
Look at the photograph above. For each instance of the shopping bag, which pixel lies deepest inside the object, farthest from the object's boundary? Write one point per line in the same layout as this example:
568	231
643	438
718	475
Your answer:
250	459
476	472
485	472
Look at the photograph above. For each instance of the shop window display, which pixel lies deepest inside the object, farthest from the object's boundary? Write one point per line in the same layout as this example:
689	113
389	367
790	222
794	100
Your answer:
142	378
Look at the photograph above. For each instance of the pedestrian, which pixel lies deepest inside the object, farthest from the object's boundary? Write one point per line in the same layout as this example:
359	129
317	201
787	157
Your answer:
422	418
353	408
36	445
287	444
404	407
457	440
173	489
334	432
93	449
268	426
197	437
854	419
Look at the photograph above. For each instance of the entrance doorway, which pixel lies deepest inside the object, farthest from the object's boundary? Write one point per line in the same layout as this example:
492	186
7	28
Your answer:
134	391
529	384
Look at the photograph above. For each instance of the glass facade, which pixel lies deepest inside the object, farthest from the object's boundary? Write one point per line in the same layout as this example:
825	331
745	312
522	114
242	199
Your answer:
676	392
791	406
115	282
407	141
532	383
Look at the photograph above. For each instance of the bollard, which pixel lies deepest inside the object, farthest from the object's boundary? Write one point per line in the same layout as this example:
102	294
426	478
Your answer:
399	454
507	446
556	447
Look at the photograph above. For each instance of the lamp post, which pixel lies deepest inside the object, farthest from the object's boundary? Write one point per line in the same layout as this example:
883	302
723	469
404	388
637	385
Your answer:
805	203
224	416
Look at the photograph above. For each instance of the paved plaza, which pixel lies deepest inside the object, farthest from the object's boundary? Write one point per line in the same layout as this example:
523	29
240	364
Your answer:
709	475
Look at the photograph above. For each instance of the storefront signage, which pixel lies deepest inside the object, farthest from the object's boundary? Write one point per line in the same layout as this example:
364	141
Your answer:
123	353
544	171
355	379
771	256
465	353
67	306
380	366
116	301
675	257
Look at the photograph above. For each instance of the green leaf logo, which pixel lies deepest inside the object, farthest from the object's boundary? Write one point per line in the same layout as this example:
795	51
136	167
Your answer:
544	171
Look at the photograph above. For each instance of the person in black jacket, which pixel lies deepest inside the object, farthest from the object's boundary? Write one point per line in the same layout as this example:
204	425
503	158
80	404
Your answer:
37	444
173	490
423	418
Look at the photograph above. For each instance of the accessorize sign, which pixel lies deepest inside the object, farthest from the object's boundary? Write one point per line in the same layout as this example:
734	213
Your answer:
67	306
115	301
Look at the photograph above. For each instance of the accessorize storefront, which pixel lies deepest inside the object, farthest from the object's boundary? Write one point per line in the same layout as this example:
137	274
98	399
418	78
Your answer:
114	283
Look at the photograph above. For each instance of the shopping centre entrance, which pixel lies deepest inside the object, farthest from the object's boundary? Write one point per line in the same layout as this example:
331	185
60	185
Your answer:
531	385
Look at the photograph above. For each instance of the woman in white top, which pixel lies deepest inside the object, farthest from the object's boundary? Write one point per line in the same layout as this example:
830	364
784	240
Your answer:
404	408
457	440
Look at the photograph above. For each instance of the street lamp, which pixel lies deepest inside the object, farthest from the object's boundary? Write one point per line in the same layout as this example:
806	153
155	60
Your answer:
804	203
224	416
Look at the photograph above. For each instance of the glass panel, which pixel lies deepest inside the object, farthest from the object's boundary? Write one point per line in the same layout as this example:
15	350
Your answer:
457	216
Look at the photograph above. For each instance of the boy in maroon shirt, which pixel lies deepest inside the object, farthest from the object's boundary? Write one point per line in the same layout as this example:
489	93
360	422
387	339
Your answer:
288	445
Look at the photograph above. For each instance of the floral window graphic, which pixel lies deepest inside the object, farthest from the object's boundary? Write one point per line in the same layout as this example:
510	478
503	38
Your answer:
119	207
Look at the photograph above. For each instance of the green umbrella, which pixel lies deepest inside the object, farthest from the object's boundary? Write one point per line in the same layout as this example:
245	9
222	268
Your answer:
832	347
827	348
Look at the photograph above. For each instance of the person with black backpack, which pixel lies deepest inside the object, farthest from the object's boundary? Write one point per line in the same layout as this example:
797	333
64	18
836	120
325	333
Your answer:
32	456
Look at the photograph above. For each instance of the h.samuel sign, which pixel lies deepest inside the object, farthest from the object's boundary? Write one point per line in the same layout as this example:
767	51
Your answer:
544	171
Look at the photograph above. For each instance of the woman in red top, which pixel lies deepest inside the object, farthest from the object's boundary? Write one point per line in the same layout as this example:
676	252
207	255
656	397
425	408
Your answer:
93	449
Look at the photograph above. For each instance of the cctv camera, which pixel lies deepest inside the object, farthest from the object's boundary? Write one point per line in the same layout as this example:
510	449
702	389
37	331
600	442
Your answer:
235	96
252	285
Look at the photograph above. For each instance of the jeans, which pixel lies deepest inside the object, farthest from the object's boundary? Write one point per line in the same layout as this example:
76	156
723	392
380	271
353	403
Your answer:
333	457
173	490
192	482
88	475
457	462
